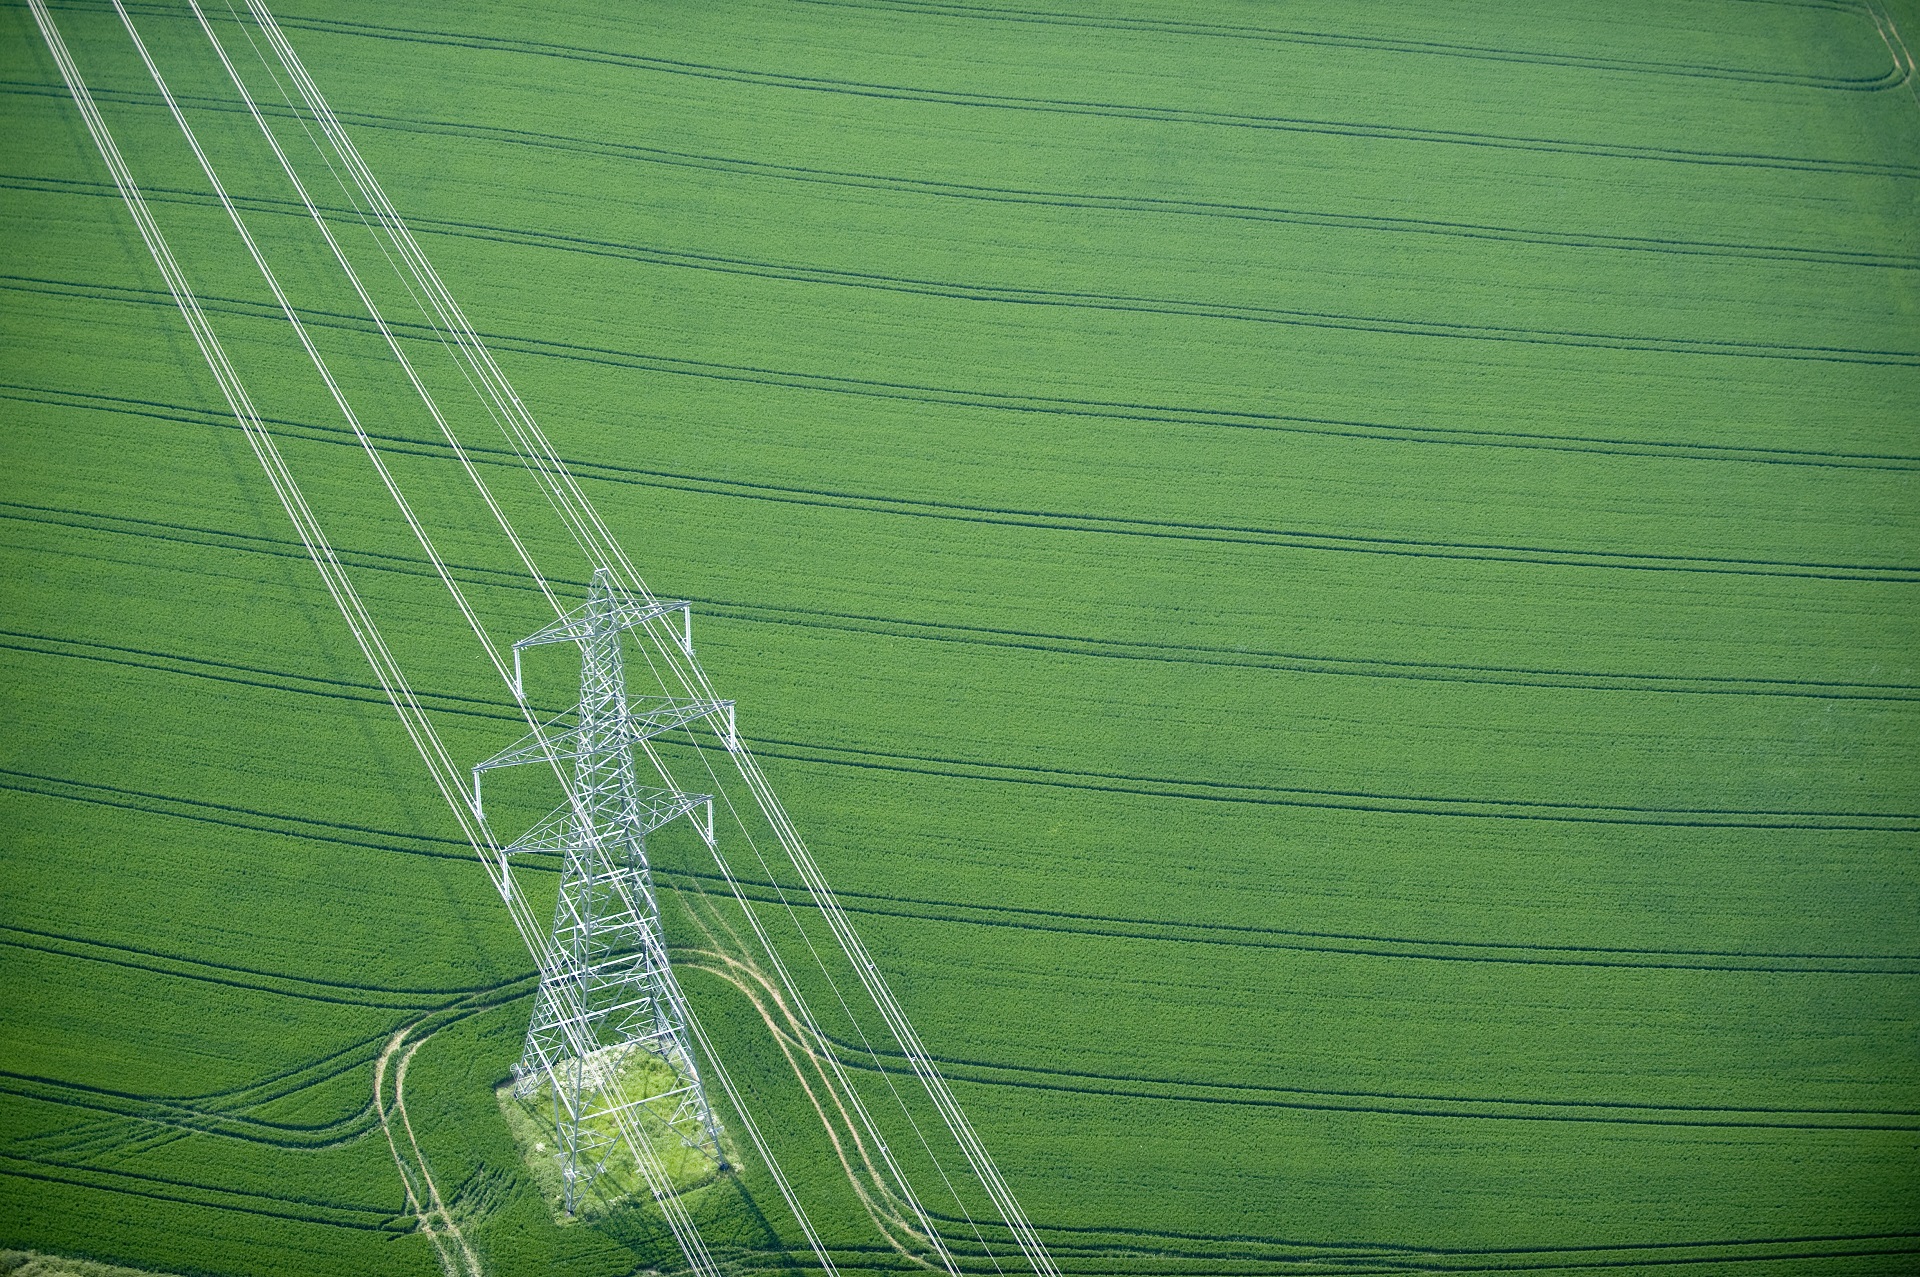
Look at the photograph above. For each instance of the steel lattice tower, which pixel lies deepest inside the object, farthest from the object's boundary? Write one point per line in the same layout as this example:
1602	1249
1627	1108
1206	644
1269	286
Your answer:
606	990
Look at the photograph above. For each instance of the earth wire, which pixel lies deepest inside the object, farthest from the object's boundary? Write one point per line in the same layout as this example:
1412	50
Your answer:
601	547
678	1221
420	388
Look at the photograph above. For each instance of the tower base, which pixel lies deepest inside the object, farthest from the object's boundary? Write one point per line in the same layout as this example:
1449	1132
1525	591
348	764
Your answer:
527	1105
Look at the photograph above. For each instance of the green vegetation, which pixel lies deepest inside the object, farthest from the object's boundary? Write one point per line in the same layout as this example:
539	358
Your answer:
1335	585
25	1263
638	1078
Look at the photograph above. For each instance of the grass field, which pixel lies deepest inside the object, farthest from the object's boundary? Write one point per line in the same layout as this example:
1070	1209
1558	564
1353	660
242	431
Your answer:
1337	587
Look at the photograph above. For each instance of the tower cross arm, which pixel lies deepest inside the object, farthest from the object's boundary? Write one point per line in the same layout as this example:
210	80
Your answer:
655	715
596	619
584	622
540	743
554	834
641	720
651	808
657	807
607	989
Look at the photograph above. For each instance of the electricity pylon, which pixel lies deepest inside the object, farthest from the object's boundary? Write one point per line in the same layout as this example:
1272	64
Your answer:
607	994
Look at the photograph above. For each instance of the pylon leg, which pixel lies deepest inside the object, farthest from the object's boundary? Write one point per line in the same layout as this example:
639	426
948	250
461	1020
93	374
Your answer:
609	994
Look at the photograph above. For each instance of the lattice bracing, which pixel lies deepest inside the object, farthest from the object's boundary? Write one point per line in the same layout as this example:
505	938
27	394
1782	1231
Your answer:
607	993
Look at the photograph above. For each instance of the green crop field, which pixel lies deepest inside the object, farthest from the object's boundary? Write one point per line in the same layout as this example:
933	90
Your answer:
1336	588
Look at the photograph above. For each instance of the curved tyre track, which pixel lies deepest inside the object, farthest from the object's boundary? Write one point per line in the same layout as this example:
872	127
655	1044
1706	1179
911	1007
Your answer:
225	1113
1276	538
847	622
1344	800
1042	406
457	1258
1104	782
250	819
130	1183
1281	1254
1120	303
897	184
884	1206
1401	1104
1108	926
250	979
1106	110
1761	962
1894	75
